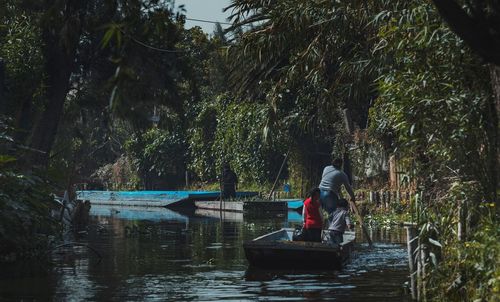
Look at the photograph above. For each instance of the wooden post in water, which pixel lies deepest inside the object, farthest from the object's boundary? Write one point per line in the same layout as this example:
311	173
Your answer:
421	272
411	242
221	189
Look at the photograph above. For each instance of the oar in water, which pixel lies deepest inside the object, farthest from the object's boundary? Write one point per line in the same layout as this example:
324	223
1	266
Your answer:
360	218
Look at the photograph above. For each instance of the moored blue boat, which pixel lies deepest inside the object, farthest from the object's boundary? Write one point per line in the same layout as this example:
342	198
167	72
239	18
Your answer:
153	198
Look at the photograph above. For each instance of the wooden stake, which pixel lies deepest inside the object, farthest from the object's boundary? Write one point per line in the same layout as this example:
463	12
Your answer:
412	245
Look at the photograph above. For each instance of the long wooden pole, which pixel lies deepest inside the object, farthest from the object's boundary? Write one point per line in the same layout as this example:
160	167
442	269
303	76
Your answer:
349	126
278	176
360	218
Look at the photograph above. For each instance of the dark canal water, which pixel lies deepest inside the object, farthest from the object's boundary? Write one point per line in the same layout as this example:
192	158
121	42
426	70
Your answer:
160	255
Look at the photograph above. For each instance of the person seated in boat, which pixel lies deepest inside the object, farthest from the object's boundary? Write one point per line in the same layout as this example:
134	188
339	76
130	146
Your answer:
313	220
340	220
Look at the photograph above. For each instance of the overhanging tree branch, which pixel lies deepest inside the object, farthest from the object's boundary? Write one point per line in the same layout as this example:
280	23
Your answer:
475	33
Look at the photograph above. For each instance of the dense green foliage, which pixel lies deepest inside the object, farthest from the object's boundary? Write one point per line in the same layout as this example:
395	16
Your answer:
436	108
239	140
435	104
160	155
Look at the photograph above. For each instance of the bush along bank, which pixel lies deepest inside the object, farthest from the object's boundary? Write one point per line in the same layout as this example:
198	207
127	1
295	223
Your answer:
26	227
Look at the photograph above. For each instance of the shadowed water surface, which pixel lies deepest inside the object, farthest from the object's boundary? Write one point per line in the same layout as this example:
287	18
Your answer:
158	255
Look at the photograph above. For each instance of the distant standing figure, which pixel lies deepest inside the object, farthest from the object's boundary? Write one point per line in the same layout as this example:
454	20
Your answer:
229	182
331	182
287	188
313	221
340	221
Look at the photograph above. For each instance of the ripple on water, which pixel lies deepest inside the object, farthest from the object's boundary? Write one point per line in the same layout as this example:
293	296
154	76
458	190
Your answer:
380	256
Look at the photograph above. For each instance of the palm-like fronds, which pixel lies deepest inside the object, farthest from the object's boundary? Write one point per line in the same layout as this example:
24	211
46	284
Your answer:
302	45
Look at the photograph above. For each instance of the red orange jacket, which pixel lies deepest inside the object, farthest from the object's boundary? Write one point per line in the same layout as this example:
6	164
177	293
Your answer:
312	214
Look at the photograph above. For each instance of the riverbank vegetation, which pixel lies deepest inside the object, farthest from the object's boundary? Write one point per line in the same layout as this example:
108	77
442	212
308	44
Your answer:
25	202
120	95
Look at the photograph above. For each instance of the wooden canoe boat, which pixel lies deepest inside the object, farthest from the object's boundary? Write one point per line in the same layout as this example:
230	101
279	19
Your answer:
277	250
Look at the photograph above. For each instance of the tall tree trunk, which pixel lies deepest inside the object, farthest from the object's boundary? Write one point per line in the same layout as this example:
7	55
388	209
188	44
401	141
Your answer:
24	120
59	68
61	37
493	114
495	84
3	101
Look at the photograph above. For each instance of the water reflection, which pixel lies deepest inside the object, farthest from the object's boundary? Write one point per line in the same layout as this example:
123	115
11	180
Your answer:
164	255
137	213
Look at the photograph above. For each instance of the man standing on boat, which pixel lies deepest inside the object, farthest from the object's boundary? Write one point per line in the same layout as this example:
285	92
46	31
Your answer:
331	183
229	182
